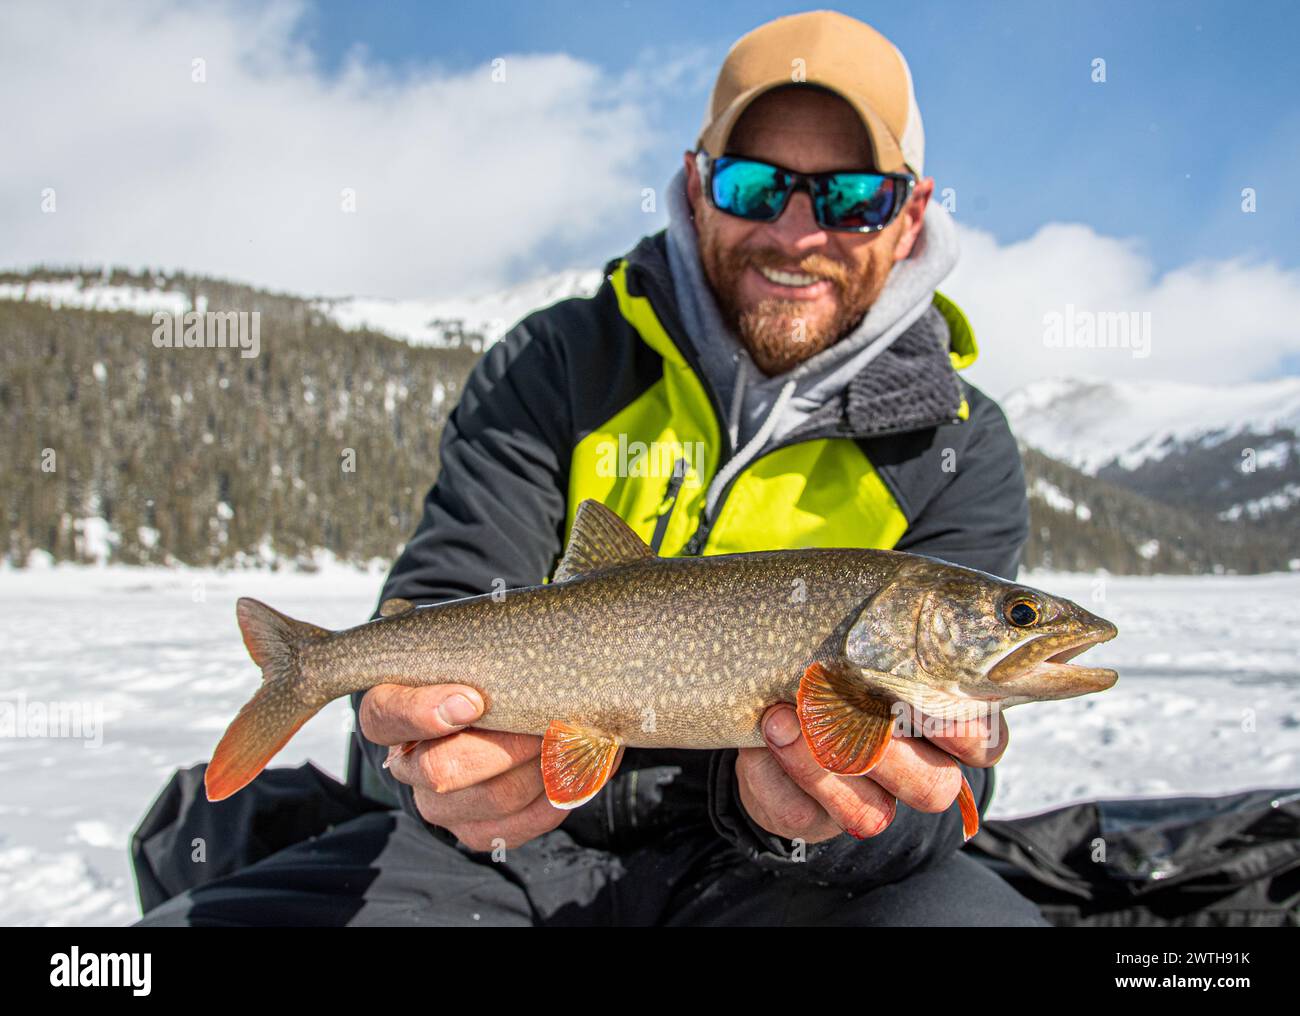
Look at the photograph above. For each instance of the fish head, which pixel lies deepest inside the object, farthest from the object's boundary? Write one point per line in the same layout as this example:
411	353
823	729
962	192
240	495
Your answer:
977	635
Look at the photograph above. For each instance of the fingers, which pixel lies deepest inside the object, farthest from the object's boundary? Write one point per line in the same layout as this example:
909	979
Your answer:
483	786
918	774
980	742
392	713
468	758
776	802
858	805
492	793
493	799
509	831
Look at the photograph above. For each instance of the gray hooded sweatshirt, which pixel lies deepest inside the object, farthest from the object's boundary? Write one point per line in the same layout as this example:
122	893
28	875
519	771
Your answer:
764	409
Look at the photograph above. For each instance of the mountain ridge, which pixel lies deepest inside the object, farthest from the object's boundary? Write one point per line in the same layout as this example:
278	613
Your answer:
250	493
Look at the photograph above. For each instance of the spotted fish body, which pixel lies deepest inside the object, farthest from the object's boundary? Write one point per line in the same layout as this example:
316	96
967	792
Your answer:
666	653
625	649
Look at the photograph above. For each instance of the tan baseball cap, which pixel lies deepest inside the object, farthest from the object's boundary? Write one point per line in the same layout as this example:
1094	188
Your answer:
835	52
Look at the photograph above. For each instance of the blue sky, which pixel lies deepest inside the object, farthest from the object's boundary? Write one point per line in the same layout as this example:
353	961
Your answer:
1200	99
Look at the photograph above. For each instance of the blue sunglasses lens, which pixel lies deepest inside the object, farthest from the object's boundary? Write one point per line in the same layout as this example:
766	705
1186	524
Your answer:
751	190
849	201
857	200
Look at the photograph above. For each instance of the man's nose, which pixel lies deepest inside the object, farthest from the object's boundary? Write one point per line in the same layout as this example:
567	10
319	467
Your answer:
797	228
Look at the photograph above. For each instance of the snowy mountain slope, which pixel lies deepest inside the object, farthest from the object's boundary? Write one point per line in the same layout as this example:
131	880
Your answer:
1082	523
1093	424
435	321
93	292
484	317
1230	452
1213	474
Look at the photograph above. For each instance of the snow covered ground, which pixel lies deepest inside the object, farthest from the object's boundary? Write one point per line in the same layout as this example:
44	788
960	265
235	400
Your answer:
1208	700
149	662
157	654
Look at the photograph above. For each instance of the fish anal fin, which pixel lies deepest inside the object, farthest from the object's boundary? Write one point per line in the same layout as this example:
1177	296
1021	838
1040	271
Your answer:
599	539
576	762
846	726
395	606
970	813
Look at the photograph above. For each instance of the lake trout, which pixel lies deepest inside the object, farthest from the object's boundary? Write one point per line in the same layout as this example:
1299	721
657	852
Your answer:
627	649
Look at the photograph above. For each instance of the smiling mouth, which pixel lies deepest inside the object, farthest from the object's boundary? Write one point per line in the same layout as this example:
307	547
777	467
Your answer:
1047	659
788	278
793	281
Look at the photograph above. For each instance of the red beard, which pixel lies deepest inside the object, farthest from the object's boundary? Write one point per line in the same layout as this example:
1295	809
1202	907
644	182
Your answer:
780	334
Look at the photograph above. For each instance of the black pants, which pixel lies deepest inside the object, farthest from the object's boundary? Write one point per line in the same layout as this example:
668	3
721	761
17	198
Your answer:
384	868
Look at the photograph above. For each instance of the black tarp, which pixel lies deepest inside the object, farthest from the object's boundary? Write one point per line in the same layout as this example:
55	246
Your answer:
186	841
1201	861
1195	861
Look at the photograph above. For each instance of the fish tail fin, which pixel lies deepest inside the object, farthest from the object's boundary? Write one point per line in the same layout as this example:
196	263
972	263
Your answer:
273	715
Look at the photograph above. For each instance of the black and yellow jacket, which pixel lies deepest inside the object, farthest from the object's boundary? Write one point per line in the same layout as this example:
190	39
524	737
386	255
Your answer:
604	398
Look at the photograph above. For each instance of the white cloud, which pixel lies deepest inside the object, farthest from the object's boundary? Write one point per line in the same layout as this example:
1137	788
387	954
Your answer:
1210	321
459	179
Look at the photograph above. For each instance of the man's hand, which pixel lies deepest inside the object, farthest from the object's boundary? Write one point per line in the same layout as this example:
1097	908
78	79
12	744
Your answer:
786	792
478	784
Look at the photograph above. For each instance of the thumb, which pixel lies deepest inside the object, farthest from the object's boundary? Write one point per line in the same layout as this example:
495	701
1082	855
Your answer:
781	727
395	714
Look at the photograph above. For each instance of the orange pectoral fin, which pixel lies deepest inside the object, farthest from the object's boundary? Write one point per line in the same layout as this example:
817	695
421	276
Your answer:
847	728
576	763
970	813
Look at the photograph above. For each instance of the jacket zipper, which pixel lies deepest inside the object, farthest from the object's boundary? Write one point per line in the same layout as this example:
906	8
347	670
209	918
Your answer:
668	504
669	323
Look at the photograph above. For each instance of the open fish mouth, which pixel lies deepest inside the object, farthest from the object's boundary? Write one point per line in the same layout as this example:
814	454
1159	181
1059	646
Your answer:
1046	662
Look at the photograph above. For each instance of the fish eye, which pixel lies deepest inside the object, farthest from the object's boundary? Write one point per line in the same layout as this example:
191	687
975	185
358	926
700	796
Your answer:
1022	613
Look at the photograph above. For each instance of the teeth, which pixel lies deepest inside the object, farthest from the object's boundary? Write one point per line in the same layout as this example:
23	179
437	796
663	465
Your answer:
788	278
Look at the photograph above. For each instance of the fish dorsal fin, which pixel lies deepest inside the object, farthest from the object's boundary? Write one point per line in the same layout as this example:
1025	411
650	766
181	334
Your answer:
600	539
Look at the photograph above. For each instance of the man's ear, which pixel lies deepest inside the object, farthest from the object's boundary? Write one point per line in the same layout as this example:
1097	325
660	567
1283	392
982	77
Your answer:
912	217
694	189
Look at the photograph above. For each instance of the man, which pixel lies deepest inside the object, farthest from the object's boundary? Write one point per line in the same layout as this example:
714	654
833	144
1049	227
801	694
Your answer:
783	341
